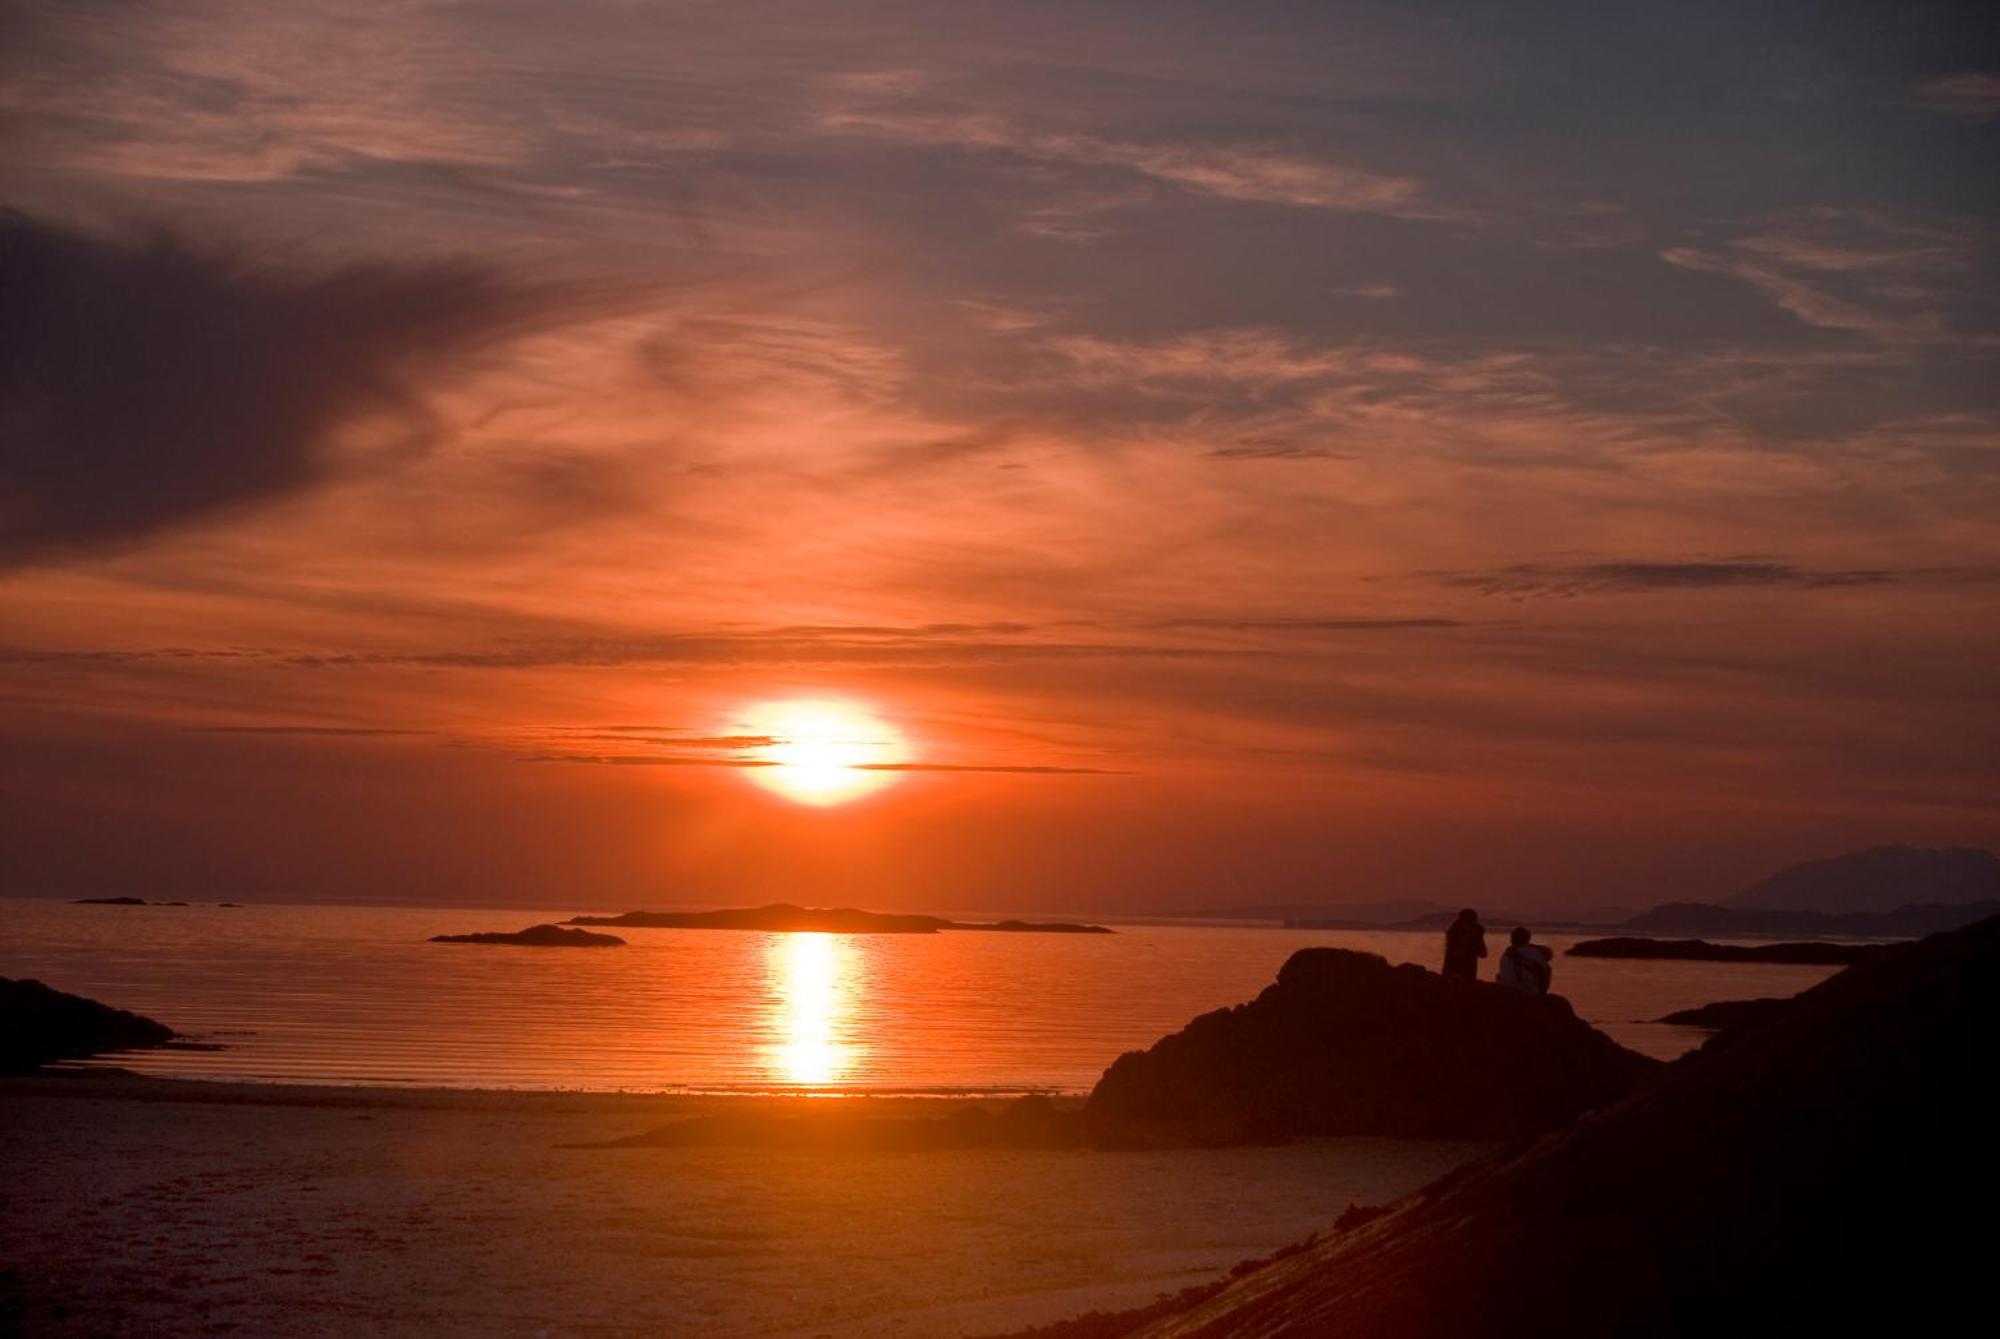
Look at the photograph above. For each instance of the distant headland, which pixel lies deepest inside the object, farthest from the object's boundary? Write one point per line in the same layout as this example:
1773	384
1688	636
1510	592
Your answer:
536	936
139	902
824	920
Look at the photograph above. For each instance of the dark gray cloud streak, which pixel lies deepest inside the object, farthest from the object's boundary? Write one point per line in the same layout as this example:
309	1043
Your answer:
333	731
148	382
657	760
1604	578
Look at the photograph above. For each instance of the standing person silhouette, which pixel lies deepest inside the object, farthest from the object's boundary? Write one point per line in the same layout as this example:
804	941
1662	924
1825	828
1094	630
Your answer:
1464	945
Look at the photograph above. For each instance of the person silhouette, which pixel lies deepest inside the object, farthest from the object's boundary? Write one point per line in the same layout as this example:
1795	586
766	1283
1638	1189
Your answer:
1524	966
1464	945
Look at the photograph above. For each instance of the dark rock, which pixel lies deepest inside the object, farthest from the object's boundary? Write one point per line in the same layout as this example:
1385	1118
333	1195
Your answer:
1824	1174
1700	950
39	1025
783	916
537	936
111	902
1346	1044
1729	1014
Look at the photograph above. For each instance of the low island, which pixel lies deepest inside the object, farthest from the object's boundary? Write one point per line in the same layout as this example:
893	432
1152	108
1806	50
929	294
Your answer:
536	936
783	916
1700	950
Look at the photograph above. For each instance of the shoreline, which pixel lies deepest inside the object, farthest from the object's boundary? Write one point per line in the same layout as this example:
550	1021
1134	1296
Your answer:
104	1069
110	1083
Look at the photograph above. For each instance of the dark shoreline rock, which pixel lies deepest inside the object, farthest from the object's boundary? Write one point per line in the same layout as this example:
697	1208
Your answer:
1728	1014
785	917
536	936
1700	950
123	902
1795	1178
40	1025
1345	1044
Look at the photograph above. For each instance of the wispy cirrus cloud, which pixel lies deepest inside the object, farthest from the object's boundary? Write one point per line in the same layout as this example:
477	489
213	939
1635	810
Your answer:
1972	96
1871	272
1259	173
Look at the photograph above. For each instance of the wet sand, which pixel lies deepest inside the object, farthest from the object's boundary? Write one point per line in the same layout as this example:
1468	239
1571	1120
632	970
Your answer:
148	1206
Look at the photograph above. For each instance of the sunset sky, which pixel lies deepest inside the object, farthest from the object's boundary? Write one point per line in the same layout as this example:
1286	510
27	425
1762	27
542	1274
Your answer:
1195	454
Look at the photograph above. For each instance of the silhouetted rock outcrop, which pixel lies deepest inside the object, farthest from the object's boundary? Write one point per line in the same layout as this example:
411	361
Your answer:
39	1025
1879	879
1346	1044
823	920
1700	950
1826	1173
537	936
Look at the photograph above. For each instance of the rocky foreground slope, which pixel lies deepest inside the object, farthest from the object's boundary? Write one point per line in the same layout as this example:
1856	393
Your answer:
1828	1172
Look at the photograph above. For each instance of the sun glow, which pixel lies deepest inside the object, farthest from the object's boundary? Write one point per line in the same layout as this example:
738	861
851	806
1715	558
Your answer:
823	753
811	975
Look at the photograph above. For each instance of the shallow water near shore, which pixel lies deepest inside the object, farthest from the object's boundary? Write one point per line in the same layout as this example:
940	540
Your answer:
285	1211
347	994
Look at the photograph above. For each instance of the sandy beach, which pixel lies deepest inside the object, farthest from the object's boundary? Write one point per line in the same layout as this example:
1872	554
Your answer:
137	1206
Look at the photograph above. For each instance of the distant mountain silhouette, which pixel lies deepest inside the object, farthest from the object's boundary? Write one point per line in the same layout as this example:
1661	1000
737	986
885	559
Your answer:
1879	879
1387	912
824	920
1402	913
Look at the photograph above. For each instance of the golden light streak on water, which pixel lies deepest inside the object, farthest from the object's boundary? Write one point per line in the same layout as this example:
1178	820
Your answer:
815	980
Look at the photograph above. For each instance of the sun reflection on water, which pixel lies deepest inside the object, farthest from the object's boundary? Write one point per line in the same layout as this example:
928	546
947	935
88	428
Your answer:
813	979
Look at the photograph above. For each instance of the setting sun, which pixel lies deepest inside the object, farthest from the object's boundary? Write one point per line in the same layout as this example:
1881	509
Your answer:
823	752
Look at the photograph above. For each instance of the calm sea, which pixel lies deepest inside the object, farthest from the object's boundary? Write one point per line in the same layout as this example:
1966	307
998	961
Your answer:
328	994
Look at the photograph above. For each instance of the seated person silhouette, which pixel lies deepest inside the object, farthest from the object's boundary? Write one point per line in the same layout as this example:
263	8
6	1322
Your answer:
1524	966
